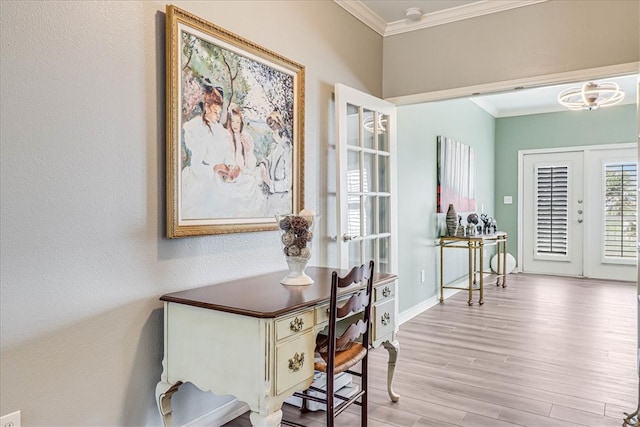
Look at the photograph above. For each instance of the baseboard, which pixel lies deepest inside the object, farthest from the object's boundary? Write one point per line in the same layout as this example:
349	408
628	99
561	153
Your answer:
409	314
220	415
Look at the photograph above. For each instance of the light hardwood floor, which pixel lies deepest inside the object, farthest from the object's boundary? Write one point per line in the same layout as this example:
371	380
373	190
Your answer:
545	351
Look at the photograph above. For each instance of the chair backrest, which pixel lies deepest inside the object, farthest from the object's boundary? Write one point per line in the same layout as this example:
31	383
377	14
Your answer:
361	301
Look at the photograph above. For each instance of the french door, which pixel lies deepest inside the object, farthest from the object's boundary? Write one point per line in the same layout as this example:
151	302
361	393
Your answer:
366	183
580	212
553	213
611	252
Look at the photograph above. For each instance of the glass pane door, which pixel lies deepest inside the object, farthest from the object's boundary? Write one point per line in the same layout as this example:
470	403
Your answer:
366	201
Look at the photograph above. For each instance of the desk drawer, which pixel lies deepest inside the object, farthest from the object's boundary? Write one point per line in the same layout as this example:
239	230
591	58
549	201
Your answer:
294	361
383	319
322	312
295	324
383	292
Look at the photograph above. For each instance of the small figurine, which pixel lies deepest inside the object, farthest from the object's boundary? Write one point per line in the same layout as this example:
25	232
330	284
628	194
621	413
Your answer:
472	218
490	224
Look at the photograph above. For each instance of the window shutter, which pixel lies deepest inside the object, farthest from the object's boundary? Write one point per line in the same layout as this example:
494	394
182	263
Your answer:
552	214
620	210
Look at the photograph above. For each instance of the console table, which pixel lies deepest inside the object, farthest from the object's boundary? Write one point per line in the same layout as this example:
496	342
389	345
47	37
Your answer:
254	338
475	246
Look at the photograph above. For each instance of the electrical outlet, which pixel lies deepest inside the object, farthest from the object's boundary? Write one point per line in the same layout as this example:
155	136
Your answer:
10	420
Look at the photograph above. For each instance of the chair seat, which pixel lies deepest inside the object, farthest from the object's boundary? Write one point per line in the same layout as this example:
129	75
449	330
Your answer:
344	360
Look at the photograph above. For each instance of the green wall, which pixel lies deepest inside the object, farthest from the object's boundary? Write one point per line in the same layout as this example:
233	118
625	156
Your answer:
564	129
418	127
497	142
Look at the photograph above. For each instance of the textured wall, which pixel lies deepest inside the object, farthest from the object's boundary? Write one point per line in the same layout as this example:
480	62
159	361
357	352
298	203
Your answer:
545	38
84	259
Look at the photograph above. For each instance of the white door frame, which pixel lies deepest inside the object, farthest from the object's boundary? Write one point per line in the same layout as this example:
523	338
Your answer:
520	192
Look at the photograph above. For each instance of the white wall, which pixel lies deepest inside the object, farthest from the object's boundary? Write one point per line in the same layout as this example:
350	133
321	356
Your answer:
83	253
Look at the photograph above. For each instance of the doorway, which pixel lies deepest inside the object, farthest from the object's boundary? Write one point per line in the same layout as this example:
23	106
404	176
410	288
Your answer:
579	212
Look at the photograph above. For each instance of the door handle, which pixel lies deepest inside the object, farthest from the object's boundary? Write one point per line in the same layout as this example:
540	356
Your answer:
579	220
347	237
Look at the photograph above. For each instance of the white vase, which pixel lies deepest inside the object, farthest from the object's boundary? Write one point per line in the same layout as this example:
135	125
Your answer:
296	275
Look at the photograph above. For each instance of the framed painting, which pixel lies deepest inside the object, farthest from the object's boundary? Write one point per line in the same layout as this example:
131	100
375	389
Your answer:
235	117
456	176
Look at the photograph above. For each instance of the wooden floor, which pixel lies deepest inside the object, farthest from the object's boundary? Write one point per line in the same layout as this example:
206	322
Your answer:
545	351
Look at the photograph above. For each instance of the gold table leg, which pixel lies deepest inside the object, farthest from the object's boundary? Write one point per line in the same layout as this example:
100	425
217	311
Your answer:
441	271
504	262
481	272
471	272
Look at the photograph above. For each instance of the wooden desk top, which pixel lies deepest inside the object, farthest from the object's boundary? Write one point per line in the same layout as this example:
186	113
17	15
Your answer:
264	296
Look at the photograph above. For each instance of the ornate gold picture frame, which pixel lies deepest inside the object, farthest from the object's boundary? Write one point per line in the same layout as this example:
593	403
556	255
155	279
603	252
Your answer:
235	131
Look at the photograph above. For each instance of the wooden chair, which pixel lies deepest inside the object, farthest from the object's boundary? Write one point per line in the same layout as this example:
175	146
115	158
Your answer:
336	354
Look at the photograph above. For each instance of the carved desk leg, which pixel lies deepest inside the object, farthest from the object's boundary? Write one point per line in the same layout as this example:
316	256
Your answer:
392	348
271	420
164	391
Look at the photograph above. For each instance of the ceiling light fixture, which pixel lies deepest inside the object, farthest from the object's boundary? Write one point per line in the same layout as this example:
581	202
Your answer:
413	14
368	124
591	96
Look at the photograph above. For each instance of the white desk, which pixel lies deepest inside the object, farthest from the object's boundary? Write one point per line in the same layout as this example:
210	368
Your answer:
254	338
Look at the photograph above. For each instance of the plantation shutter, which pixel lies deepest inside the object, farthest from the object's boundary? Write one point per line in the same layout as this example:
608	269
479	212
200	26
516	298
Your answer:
552	213
620	210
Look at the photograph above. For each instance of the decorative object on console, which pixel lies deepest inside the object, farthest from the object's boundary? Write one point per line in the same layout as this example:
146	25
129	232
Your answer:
591	96
472	224
296	235
510	264
452	221
490	224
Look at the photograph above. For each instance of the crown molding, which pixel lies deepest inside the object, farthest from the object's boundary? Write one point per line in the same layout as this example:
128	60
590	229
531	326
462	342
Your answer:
364	14
472	10
459	13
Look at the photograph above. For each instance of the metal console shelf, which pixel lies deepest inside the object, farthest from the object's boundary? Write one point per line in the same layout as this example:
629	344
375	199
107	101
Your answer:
475	245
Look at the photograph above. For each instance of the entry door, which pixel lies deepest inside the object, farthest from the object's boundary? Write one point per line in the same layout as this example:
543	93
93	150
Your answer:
366	180
611	230
553	213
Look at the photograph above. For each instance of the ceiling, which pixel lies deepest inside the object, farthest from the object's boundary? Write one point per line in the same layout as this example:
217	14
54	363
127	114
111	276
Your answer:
388	17
545	99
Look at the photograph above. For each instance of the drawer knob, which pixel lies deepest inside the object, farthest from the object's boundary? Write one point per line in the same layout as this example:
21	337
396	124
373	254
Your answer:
385	319
296	325
296	362
386	291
